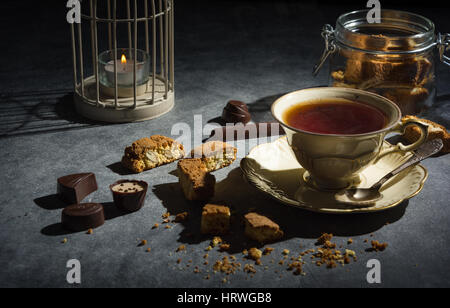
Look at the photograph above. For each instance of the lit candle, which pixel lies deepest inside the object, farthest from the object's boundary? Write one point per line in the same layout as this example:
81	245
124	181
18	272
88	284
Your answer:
125	73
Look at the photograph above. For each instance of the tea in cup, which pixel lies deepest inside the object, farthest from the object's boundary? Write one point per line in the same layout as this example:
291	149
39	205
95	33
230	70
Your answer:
337	132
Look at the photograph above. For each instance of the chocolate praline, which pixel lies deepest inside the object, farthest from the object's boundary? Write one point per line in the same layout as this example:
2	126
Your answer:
130	201
73	188
84	216
236	112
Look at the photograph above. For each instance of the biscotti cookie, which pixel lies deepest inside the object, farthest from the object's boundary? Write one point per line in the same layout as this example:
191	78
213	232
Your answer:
435	131
261	228
197	184
215	219
148	153
215	154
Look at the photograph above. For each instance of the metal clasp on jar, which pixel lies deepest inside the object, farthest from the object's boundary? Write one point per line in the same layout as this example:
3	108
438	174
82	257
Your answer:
443	44
330	47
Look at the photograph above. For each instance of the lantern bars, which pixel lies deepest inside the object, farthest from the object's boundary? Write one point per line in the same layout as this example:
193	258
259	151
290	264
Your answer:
126	48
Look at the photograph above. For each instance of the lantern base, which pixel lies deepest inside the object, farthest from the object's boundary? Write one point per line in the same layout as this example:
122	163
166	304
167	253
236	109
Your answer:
125	112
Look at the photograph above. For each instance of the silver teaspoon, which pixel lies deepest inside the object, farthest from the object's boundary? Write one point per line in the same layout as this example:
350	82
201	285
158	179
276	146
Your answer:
367	196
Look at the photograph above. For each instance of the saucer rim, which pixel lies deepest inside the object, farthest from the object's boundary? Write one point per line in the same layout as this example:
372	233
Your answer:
299	205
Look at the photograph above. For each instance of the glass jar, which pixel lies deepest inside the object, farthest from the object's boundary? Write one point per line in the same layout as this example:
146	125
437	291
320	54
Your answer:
394	58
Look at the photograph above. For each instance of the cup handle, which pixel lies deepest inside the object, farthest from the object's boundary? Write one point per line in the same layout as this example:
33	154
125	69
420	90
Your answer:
400	147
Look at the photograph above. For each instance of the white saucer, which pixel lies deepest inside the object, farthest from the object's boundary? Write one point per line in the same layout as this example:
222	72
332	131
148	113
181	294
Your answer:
273	169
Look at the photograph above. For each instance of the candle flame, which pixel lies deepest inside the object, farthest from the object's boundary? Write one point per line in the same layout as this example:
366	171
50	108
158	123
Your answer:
123	59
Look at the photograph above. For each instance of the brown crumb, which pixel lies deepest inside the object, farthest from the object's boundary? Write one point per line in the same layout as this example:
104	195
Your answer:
166	215
268	251
324	238
64	241
331	264
181	248
181	217
258	262
350	241
296	267
248	268
90	231
143	243
149	249
224	247
377	246
155	226
179	261
167	227
225	266
216	241
329	244
286	252
254	254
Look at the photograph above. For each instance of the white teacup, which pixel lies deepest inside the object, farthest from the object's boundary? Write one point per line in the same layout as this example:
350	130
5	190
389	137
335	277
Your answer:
335	161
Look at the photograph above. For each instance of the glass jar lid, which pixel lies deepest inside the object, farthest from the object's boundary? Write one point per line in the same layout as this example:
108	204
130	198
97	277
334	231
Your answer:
398	32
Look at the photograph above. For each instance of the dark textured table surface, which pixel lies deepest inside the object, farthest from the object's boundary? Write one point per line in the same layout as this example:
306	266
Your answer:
251	51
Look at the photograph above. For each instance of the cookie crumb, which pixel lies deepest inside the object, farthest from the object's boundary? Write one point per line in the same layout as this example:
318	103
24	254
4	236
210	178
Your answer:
254	254
224	247
216	241
181	217
324	238
377	246
268	250
143	243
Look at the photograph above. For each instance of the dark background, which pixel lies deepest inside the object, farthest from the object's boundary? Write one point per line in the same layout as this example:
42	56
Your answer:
36	48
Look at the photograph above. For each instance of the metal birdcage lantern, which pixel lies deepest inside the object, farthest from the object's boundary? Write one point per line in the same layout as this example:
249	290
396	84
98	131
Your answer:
127	74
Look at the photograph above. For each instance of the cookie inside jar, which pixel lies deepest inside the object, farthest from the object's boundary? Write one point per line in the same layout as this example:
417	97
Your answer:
393	58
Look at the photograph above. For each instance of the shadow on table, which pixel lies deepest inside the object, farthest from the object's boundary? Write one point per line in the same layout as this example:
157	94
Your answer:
38	112
236	193
50	202
119	169
57	229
